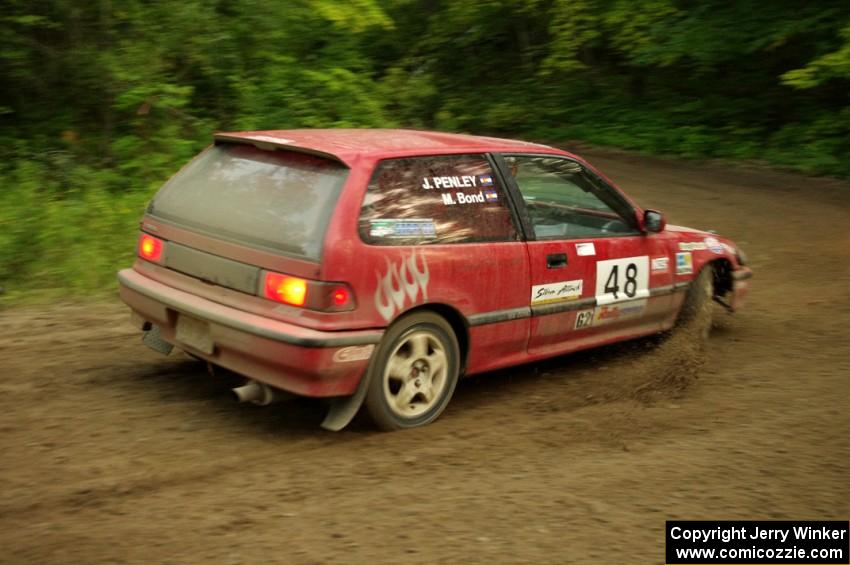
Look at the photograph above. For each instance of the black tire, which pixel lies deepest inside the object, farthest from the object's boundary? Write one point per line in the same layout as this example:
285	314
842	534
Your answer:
425	344
695	318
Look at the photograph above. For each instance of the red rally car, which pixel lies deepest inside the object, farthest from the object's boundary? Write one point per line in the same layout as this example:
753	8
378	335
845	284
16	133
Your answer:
375	267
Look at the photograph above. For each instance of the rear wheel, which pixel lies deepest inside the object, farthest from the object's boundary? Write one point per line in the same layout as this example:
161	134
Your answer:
413	373
696	314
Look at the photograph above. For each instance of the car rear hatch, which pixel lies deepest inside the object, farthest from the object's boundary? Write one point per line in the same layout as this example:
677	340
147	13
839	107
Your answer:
237	212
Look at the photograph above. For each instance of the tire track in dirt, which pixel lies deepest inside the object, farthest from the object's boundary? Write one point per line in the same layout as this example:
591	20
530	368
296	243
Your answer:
111	453
644	362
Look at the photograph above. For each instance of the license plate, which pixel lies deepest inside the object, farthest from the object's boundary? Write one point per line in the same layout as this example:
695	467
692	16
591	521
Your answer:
195	334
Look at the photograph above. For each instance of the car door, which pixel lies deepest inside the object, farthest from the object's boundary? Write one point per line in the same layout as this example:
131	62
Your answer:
593	271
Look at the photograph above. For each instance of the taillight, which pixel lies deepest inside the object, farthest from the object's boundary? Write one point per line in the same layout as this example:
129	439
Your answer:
340	297
316	295
150	248
334	297
286	289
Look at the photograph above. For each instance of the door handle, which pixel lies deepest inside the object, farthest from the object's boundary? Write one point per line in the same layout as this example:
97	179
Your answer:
556	260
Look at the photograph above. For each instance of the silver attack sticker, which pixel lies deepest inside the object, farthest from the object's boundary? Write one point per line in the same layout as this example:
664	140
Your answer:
556	292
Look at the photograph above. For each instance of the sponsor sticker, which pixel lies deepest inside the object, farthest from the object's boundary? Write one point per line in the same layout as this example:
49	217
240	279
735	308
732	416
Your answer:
713	245
353	353
584	319
618	280
407	227
610	313
382	228
684	263
692	246
556	292
660	264
585	249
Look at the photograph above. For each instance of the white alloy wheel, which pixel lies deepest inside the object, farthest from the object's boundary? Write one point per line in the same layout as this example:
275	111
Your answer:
415	375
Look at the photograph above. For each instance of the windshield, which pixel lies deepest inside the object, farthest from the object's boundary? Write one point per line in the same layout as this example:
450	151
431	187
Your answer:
280	200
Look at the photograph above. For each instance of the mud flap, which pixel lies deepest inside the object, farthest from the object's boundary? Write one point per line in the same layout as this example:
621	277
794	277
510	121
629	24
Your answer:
726	305
344	408
153	339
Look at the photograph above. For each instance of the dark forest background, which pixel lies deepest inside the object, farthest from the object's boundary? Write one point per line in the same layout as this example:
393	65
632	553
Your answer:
101	101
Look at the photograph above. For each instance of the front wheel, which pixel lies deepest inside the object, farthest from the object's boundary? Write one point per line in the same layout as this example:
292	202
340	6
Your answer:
414	372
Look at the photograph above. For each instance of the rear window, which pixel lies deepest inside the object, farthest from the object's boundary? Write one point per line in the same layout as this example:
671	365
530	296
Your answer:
440	199
281	200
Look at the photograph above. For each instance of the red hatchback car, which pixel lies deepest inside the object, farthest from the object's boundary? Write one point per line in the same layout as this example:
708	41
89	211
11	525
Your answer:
378	266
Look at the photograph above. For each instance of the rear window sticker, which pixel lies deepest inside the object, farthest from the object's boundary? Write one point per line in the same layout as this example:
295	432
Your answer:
406	227
480	197
457	181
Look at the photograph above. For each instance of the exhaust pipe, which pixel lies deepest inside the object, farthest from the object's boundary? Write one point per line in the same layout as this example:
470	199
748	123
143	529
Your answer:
256	393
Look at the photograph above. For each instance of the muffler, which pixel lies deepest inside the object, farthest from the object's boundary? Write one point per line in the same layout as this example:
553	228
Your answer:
257	393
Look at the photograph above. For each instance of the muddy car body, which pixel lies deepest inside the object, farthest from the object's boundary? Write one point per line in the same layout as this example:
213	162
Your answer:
378	266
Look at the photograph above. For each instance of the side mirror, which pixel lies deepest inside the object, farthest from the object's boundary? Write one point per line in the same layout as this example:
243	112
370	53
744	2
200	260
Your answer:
653	221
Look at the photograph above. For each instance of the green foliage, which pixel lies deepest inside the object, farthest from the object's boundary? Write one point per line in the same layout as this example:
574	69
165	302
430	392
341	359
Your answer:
64	229
833	65
101	102
574	30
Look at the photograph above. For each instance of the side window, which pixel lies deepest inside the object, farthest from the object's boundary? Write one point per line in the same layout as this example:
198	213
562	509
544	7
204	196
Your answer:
565	201
440	199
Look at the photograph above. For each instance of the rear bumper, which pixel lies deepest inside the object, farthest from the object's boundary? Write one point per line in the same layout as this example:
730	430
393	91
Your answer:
294	358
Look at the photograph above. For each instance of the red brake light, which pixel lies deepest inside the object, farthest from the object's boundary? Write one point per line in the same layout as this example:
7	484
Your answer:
285	289
150	248
340	297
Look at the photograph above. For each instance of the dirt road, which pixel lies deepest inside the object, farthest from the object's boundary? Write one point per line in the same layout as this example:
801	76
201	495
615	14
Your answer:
111	452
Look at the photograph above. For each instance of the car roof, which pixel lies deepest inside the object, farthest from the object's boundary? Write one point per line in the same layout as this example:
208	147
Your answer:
346	145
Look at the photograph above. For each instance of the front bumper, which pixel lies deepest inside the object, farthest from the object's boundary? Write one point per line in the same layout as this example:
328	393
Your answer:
294	358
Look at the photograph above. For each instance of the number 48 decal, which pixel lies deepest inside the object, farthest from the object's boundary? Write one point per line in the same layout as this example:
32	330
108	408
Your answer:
618	280
612	285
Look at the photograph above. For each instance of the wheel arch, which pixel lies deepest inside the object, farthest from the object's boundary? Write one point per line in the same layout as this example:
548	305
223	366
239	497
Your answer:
722	282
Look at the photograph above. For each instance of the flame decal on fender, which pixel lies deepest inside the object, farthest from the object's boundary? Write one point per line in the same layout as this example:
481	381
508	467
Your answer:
403	280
